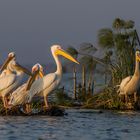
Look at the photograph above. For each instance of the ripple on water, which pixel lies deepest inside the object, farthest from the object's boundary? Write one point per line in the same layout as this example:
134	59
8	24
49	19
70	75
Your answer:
79	124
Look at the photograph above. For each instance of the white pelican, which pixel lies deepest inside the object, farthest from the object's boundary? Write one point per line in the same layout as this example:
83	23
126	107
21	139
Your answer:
11	81
49	82
18	97
3	69
131	84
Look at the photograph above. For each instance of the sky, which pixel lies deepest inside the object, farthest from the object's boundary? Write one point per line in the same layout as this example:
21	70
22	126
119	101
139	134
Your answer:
30	27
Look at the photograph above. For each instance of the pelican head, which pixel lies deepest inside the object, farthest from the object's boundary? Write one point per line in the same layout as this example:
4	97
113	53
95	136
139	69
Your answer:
138	55
11	56
57	50
38	68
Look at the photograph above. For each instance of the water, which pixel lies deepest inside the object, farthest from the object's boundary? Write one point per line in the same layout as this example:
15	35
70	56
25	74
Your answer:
77	125
67	82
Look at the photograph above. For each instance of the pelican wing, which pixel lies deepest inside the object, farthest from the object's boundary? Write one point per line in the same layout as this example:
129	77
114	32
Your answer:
7	81
3	73
19	90
41	84
124	82
18	96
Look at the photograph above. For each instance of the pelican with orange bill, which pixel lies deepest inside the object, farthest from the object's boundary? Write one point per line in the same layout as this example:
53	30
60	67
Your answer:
45	85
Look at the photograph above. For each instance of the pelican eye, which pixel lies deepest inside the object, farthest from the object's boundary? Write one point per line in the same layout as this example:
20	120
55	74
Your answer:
35	68
58	47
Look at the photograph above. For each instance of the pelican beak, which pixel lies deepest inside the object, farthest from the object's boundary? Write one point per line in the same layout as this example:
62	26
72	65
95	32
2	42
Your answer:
66	55
23	69
41	74
4	66
31	79
138	57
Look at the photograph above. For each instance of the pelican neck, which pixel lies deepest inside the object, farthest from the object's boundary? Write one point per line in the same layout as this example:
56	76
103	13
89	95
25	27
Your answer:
14	70
58	64
137	71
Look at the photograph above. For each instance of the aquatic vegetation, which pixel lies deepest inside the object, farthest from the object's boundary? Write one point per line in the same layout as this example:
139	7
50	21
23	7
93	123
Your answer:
119	43
19	111
107	99
122	39
88	64
61	98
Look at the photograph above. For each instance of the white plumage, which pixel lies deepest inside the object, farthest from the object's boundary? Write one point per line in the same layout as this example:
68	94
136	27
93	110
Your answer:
11	81
48	83
44	85
4	70
19	96
131	84
123	84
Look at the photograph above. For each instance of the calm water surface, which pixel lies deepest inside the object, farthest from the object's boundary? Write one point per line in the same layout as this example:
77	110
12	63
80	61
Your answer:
77	125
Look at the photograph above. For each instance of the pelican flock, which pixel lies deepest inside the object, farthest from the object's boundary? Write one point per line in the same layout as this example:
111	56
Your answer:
12	78
18	97
13	92
131	84
16	93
